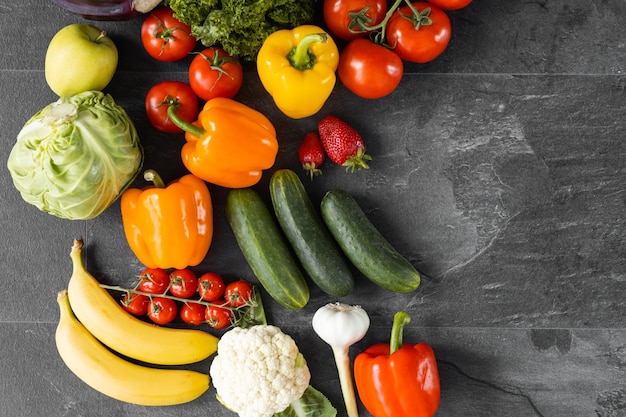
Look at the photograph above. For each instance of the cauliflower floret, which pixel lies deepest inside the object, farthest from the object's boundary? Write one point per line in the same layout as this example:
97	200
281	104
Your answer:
258	371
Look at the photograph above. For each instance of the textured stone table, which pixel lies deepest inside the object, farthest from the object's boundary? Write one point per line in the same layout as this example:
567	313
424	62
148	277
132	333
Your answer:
498	170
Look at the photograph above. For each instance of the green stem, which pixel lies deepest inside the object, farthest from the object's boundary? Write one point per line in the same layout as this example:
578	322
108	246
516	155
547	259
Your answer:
152	176
381	36
217	62
301	57
418	18
183	124
401	319
171	297
101	36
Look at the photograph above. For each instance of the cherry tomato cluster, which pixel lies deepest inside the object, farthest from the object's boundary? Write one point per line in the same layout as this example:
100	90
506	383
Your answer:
212	72
380	38
163	296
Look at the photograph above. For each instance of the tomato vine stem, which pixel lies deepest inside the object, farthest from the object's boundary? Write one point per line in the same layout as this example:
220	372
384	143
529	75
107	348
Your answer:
172	297
379	35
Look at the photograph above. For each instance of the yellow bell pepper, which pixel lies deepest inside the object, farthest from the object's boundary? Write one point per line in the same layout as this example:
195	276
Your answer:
168	227
297	68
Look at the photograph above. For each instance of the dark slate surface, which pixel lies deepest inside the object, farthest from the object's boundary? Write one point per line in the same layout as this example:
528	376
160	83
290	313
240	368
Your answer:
498	170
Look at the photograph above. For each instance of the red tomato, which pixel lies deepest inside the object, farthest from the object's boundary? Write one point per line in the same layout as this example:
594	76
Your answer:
345	17
218	317
450	4
184	283
215	73
136	304
192	313
154	281
369	70
162	310
210	286
238	293
425	43
167	93
166	38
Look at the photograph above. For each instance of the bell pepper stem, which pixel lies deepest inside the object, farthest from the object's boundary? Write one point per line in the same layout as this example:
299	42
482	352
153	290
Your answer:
400	319
301	57
183	124
152	176
345	379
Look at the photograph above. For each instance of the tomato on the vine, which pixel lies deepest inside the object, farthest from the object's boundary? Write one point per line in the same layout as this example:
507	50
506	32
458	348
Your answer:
166	38
136	304
215	73
368	69
211	286
162	310
192	313
348	19
450	4
421	35
184	283
238	293
218	317
154	281
164	94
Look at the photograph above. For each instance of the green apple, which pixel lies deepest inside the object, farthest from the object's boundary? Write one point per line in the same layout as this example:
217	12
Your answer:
80	57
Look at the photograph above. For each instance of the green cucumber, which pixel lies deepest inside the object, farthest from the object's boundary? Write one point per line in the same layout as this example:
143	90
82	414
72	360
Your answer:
365	246
265	248
318	252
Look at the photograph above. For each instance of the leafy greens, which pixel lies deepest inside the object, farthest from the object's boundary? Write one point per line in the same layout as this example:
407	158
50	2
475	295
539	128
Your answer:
241	26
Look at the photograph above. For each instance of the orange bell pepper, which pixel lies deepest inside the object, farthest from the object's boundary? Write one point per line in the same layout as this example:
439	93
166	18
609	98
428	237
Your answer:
168	227
229	145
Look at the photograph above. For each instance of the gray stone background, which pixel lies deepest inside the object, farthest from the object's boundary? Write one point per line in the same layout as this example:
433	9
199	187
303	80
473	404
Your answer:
498	170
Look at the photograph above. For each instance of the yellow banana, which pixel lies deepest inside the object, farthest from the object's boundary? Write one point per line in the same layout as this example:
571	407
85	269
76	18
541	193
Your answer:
105	318
114	376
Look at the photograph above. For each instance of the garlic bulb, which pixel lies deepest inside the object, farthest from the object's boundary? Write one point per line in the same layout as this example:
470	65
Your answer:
341	325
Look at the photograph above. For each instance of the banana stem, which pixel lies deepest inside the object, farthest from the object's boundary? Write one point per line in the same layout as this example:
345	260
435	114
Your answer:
78	245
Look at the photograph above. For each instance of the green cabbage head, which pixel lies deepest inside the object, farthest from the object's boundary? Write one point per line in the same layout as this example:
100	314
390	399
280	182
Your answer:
76	156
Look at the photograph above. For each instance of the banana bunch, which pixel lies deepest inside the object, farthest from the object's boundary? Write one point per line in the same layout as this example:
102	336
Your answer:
93	327
108	373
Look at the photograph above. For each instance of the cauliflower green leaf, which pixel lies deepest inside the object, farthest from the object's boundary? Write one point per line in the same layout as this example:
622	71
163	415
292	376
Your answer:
312	404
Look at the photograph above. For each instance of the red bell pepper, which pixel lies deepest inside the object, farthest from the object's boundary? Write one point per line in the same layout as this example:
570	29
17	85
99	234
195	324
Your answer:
398	379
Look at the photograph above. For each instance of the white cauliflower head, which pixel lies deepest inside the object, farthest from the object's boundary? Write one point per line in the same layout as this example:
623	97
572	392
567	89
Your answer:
258	371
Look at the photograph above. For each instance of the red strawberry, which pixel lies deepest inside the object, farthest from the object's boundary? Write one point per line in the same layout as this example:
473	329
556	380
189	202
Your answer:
342	143
311	154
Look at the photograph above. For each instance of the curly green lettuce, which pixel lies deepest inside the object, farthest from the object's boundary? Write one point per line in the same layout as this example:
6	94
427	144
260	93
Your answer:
241	26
